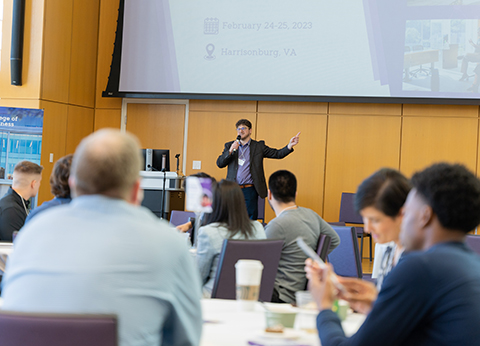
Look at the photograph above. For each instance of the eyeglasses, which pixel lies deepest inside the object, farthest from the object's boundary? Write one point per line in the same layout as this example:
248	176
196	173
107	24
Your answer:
242	128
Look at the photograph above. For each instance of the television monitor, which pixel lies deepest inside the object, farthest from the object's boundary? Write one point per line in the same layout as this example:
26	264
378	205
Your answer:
156	159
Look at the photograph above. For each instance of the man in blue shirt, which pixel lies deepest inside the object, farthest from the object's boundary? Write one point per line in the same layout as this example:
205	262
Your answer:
244	158
432	296
103	253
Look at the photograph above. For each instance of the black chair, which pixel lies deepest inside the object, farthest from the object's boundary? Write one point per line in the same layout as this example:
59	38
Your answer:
473	241
266	251
349	215
49	329
345	258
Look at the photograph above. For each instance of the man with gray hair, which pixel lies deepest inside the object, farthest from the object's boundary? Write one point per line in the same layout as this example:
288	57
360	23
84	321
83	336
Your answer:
102	253
15	205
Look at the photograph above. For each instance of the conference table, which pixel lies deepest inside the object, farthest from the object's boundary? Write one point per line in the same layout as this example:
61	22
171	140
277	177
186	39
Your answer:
225	324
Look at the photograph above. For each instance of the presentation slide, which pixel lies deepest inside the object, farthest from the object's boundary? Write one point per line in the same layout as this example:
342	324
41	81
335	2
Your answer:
353	48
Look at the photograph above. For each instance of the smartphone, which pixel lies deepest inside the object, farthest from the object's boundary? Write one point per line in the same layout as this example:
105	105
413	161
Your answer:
310	253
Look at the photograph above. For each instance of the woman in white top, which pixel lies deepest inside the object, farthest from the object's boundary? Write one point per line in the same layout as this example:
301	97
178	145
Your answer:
228	220
379	199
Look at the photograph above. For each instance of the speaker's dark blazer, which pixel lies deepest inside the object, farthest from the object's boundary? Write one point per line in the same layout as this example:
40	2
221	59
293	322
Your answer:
258	151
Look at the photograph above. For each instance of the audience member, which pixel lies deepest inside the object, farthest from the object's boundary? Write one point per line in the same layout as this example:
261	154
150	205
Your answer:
58	186
379	199
103	253
292	221
228	220
15	205
432	297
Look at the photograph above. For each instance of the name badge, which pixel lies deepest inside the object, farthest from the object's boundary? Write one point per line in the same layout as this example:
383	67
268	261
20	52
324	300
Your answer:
241	162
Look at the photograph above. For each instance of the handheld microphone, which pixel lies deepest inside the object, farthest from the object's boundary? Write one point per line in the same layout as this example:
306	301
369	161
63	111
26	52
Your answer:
238	140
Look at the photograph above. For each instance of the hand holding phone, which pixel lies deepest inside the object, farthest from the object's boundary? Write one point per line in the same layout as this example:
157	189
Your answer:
310	253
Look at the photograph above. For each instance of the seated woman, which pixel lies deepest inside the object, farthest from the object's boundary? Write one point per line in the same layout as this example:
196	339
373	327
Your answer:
379	199
228	220
58	186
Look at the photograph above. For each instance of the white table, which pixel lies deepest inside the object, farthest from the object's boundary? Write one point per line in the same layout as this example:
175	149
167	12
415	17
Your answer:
224	324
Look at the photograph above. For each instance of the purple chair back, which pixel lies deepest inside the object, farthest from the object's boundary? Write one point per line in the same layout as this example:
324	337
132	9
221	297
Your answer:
266	251
322	249
345	258
347	209
473	241
179	217
323	246
38	329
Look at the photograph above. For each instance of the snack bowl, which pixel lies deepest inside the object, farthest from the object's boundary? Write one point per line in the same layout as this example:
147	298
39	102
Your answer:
276	317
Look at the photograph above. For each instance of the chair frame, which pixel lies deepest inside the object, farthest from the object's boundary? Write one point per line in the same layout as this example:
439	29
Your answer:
355	219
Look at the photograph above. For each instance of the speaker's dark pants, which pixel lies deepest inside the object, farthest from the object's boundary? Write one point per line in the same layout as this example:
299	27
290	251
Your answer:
251	199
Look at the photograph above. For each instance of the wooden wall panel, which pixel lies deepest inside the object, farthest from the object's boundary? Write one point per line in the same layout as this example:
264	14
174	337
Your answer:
364	109
84	53
356	147
107	118
429	140
106	39
32	52
53	142
307	161
292	107
440	110
207	134
223	105
158	126
20	103
79	125
57	50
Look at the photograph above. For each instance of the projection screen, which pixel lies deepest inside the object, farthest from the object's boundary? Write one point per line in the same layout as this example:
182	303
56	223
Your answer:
382	50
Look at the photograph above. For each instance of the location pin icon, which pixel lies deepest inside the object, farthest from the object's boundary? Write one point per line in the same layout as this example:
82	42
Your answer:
209	48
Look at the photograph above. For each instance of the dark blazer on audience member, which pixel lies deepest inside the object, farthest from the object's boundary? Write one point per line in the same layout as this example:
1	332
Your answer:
258	151
12	214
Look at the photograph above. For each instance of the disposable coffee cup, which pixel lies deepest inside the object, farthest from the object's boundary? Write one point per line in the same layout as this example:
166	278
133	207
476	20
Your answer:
248	275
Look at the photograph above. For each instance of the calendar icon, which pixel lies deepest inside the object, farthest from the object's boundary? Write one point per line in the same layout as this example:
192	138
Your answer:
210	26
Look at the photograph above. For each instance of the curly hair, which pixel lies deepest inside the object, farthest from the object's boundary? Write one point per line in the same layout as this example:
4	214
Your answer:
59	177
453	193
385	190
245	122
